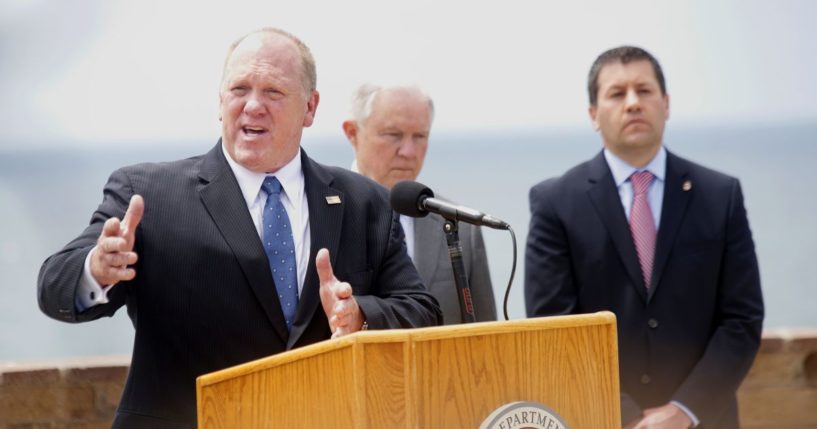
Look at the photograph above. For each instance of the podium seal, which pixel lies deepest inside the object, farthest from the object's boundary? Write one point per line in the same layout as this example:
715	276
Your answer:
523	415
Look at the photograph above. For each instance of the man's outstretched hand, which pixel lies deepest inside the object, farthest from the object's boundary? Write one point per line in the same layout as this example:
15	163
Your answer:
114	248
340	306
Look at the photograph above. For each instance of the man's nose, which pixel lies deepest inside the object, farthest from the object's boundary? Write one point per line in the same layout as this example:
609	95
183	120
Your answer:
253	106
407	147
632	102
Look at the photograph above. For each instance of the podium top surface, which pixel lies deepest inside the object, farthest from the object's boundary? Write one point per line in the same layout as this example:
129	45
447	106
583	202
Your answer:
416	335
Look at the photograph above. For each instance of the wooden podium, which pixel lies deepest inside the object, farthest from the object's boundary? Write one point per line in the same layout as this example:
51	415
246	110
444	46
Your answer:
441	377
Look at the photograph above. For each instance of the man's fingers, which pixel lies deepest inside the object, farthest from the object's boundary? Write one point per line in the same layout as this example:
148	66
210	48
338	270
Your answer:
113	244
108	275
343	290
126	274
119	273
111	228
119	259
133	216
324	267
343	307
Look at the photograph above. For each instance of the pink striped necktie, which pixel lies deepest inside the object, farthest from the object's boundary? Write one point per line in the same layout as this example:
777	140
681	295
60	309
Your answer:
642	224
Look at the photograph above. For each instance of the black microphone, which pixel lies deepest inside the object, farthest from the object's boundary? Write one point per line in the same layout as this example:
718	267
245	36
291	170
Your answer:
417	200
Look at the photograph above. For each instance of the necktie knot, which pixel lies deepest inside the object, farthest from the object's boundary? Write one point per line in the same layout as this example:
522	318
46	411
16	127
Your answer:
641	181
271	185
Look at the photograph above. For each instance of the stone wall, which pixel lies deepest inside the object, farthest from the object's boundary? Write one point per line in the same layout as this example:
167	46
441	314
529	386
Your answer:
71	394
780	391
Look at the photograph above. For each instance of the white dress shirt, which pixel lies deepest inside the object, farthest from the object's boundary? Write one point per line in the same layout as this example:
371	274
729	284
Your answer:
408	228
293	197
621	175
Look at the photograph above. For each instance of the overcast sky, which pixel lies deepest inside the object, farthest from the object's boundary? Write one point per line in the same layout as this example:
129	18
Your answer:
103	72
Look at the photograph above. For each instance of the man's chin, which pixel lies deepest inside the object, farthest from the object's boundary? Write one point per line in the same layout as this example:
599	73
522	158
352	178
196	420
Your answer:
400	176
640	140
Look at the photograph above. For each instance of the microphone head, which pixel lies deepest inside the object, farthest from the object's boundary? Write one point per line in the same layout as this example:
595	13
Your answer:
407	196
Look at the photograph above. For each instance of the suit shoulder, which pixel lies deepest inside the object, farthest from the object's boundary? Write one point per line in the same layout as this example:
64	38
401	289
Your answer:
700	173
161	169
350	180
567	183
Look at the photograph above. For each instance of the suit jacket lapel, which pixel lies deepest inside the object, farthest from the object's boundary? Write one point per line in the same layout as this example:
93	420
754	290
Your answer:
605	198
427	230
325	222
673	210
221	196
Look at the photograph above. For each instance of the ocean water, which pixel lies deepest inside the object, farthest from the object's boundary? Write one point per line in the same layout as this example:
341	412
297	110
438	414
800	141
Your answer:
47	197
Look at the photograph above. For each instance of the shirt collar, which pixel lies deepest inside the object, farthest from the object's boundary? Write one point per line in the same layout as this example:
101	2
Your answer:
622	170
290	175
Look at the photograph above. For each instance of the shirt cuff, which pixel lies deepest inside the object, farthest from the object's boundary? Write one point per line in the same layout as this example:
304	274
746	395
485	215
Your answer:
688	412
89	291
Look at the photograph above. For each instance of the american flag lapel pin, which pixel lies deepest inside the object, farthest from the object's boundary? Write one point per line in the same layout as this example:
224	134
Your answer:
687	185
332	199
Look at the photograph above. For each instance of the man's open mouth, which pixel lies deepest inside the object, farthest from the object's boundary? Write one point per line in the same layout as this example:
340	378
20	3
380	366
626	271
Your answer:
253	131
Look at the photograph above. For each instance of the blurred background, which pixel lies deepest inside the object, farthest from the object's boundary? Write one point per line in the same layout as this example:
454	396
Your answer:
88	86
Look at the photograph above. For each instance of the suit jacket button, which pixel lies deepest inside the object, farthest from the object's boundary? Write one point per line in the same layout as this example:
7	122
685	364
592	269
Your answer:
652	323
645	379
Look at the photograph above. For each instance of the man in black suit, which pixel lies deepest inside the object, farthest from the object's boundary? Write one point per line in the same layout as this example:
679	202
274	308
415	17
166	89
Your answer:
190	257
663	243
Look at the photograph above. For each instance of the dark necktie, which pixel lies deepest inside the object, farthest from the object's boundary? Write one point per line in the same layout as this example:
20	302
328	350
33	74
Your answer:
642	224
280	249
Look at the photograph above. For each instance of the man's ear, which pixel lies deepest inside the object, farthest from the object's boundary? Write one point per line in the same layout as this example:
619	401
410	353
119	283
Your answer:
350	129
592	112
311	108
220	105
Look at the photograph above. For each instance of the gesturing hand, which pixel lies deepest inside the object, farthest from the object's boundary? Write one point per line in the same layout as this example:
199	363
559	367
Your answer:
114	248
338	303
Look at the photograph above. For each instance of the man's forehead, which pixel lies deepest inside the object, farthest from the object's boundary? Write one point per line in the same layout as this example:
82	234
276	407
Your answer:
638	71
399	98
268	46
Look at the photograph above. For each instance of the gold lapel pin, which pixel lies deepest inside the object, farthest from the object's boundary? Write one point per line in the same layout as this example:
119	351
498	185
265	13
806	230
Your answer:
687	185
332	199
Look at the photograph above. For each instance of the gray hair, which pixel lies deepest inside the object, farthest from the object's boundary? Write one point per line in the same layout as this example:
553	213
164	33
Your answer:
310	74
363	98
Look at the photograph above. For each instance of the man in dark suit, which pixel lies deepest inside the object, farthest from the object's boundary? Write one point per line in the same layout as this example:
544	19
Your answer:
200	240
389	132
663	243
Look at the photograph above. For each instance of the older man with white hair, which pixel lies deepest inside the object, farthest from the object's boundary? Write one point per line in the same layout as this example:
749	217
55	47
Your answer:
389	132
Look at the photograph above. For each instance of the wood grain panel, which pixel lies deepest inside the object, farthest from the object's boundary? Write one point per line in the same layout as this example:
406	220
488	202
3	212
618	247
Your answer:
449	376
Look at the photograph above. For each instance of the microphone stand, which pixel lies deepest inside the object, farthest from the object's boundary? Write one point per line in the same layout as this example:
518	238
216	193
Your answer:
455	253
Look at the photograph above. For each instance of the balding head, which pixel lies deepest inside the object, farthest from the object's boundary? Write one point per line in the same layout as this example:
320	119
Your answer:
308	69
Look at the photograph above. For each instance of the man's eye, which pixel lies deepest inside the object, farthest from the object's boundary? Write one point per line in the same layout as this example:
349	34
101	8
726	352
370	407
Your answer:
391	135
239	90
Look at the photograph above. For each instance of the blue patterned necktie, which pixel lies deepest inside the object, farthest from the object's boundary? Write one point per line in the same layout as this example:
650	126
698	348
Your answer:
280	249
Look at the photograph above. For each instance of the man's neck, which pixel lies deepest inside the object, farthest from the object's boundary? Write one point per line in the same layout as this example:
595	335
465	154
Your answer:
639	157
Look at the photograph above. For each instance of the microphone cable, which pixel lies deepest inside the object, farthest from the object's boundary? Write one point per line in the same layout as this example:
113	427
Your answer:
513	271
